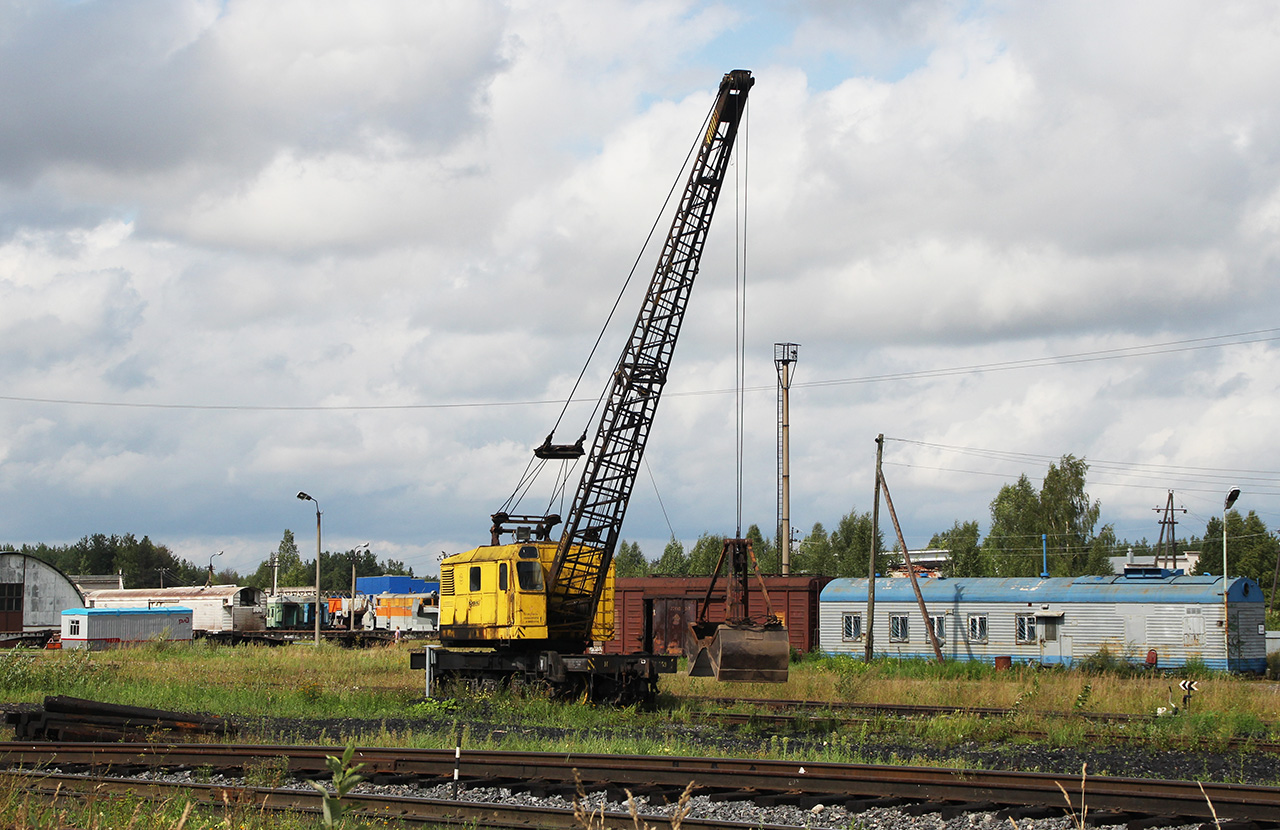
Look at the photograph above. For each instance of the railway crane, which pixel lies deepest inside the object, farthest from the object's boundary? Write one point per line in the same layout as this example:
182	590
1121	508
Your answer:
528	609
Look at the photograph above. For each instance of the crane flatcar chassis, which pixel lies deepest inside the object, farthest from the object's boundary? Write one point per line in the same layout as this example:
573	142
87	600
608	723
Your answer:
620	679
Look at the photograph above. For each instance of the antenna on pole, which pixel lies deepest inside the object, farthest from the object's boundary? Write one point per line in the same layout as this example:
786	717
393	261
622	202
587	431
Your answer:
784	354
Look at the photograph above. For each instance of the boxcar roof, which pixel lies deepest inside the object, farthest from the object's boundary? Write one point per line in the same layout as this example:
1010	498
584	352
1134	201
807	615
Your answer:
1112	588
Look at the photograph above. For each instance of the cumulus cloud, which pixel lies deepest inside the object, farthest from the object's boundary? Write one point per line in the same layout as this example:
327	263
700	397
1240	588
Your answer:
254	208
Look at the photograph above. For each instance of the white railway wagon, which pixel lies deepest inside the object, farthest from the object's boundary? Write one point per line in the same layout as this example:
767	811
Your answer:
1146	615
99	628
214	608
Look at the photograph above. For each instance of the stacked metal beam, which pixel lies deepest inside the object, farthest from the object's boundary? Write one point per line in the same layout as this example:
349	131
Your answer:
74	719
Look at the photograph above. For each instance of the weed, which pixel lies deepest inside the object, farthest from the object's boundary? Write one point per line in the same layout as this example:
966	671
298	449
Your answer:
267	772
345	777
1077	818
1212	810
432	706
1082	699
1105	661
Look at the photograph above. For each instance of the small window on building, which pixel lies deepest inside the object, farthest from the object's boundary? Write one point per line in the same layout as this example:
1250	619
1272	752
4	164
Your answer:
502	576
851	627
898	628
1025	628
1049	628
73	628
475	577
939	627
977	628
11	596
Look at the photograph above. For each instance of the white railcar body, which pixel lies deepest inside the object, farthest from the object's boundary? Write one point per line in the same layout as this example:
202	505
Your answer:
1146	616
99	628
214	608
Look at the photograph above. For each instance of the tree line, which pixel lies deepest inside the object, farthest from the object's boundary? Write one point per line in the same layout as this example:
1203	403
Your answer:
145	564
1056	523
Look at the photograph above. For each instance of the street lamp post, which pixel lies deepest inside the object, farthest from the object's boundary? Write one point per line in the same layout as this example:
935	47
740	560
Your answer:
1232	495
304	497
219	553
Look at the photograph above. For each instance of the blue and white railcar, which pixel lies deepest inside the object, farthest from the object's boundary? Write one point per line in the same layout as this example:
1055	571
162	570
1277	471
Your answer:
1144	615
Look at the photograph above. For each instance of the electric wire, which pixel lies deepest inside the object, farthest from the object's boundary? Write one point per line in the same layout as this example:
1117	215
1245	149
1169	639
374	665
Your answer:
1144	350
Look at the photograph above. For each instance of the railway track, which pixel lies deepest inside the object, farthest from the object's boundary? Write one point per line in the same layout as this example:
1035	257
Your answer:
421	777
812	716
906	710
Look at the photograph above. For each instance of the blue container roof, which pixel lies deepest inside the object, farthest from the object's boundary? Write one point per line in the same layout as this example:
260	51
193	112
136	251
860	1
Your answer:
1112	588
387	584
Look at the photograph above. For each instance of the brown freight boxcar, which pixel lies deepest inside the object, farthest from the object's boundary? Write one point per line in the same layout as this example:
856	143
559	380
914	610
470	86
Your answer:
651	612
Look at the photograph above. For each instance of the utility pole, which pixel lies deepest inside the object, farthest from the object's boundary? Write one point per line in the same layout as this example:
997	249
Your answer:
911	572
1168	550
784	355
871	565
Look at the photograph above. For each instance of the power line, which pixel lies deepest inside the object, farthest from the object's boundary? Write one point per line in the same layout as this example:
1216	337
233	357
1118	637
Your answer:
1170	347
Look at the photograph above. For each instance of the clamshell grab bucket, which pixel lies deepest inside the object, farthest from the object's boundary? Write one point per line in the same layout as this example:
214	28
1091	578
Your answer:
742	652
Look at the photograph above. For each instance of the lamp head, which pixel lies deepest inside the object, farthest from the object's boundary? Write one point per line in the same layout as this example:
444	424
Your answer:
1231	498
304	497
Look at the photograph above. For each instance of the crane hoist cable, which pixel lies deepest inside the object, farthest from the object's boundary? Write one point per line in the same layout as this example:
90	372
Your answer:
742	154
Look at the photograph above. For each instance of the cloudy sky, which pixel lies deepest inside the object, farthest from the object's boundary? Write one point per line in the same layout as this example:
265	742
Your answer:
362	249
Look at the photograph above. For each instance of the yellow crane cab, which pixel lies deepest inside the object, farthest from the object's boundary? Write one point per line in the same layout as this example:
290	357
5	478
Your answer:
498	594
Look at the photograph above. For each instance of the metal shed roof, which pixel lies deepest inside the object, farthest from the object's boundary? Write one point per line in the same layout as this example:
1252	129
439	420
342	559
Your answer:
224	592
1114	588
119	612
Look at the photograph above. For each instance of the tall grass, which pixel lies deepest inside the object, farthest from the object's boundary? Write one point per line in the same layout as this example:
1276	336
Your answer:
377	699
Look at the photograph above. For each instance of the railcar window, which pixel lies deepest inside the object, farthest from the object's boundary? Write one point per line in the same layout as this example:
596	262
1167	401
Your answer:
898	628
529	575
502	576
939	627
852	627
1026	628
977	628
475	577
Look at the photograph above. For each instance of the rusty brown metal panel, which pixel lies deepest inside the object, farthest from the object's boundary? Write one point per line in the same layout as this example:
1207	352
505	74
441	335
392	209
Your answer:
674	602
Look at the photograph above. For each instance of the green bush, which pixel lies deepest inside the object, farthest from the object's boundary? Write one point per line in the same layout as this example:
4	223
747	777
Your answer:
1105	661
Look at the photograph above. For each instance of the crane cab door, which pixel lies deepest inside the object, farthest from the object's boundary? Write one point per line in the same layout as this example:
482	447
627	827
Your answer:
506	605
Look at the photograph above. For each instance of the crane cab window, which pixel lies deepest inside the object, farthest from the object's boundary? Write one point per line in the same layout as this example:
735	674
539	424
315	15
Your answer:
529	575
502	576
475	577
528	552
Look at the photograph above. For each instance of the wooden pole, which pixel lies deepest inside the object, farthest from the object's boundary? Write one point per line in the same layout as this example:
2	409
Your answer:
915	584
869	654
